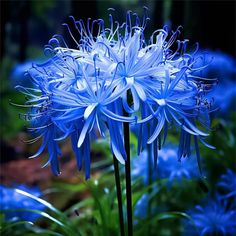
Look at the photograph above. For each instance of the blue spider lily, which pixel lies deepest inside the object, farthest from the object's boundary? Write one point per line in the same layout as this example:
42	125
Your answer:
227	185
112	77
168	166
175	105
212	218
94	109
222	66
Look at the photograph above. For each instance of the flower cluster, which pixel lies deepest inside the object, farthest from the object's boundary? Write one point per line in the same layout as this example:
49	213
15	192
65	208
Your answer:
116	75
13	200
212	218
172	168
216	216
222	66
168	166
227	185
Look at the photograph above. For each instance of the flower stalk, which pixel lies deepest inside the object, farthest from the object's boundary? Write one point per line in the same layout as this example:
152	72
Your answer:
128	180
119	196
149	181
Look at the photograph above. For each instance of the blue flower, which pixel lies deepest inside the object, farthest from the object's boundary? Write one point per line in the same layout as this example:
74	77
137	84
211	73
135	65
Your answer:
140	168
176	105
93	110
222	66
219	64
224	103
168	166
18	72
12	200
111	78
141	207
227	185
212	218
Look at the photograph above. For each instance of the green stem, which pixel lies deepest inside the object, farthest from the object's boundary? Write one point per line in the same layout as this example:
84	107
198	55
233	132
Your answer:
150	159
128	180
149	167
119	196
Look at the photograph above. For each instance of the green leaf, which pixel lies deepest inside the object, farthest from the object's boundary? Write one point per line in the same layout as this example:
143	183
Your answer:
86	202
171	215
11	225
62	220
66	229
95	193
45	203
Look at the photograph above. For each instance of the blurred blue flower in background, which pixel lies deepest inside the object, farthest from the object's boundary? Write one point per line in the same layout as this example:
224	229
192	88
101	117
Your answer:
220	65
141	207
140	167
227	185
224	101
168	166
223	67
18	74
13	200
212	218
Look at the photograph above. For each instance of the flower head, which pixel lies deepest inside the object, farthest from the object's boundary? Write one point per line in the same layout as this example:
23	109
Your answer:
222	66
213	218
227	185
219	64
110	78
168	166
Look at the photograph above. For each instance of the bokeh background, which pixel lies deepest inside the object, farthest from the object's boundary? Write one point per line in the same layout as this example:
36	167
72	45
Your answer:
26	26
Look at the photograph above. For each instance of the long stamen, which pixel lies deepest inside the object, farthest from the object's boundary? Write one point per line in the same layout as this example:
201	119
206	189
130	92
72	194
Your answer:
68	28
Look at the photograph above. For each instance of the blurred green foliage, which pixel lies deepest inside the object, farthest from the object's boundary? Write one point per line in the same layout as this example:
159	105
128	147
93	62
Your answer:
10	124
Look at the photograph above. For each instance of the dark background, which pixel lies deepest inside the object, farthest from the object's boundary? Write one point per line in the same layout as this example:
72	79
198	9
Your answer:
24	23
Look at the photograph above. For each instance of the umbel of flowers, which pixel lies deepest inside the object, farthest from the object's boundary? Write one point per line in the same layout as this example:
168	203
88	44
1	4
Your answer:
112	76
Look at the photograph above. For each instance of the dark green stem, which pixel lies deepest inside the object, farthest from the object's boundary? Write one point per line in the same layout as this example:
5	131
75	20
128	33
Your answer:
128	180
149	167
149	147
119	196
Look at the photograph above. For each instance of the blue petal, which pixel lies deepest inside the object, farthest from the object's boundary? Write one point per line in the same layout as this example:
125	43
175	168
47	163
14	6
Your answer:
87	157
117	117
89	110
158	129
77	151
84	131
